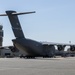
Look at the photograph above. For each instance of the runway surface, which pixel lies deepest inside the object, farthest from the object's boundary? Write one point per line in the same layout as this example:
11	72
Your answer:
39	66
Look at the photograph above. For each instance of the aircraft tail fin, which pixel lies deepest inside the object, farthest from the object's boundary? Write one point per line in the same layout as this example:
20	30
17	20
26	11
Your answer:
16	27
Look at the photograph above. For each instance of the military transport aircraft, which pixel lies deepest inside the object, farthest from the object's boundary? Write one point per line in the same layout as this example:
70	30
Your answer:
32	48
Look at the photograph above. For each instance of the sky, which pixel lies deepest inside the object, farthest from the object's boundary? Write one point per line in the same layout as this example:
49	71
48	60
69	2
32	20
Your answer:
54	20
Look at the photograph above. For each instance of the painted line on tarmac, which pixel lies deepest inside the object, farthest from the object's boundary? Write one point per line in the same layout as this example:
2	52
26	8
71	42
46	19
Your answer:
2	69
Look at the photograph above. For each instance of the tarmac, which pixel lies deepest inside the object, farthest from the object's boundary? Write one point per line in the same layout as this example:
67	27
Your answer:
38	66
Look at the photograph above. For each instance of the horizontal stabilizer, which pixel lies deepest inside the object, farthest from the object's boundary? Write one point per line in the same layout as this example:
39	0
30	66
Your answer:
18	13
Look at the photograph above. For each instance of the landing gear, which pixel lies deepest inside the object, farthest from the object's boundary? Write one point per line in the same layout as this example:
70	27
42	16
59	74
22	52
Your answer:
49	56
27	57
30	57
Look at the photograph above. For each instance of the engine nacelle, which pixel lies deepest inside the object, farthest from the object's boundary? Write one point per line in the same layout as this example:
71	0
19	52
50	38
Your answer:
72	48
61	47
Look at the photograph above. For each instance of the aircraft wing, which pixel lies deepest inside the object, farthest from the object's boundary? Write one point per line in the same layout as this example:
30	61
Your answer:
60	46
52	43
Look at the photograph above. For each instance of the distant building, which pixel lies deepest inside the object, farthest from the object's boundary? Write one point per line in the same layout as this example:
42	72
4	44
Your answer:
7	52
1	35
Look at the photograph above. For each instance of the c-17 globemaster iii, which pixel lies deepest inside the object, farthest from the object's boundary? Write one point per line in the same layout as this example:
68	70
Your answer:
32	48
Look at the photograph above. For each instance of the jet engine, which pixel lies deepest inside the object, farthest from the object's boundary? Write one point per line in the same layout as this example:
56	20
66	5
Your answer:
72	48
60	47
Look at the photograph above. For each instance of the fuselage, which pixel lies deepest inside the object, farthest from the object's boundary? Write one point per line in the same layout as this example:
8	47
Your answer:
33	48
